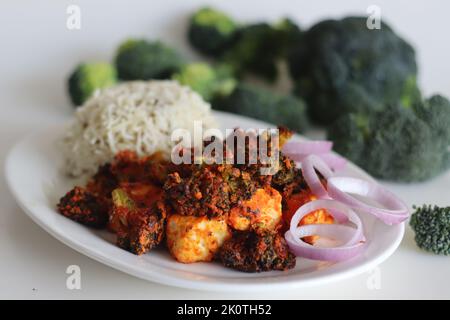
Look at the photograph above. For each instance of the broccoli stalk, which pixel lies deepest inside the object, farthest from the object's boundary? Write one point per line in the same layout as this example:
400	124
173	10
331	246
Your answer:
144	60
88	77
431	225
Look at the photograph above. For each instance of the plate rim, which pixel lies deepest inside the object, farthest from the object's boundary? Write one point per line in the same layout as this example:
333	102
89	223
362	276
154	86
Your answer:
154	276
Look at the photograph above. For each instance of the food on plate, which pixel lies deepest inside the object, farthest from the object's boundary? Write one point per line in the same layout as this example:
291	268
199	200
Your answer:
295	201
260	213
431	225
84	207
335	197
138	59
210	82
194	207
141	227
138	116
211	31
260	103
401	144
195	238
341	66
231	211
252	252
89	77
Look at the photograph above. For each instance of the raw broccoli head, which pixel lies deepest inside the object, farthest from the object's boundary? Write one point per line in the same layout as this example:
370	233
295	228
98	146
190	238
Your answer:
88	77
263	104
399	144
144	60
341	66
211	31
286	34
431	225
254	51
208	81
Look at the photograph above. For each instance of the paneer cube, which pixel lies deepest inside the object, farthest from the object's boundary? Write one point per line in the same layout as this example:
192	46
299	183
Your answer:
194	239
262	212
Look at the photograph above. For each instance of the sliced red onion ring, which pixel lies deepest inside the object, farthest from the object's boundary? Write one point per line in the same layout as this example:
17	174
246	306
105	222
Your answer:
336	254
339	188
343	232
309	166
307	147
352	245
334	161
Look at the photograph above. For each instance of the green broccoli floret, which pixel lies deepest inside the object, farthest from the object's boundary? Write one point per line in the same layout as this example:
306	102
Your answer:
208	81
432	227
341	66
399	144
263	104
88	77
254	51
286	35
144	60
211	31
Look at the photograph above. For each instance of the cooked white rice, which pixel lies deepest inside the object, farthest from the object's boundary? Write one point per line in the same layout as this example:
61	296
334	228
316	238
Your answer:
138	116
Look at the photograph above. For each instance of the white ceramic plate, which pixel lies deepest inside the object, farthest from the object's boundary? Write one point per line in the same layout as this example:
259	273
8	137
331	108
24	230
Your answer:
34	177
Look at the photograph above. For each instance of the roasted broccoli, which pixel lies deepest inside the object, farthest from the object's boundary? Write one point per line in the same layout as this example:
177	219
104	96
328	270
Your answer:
263	104
400	144
139	228
208	81
88	77
84	207
432	227
144	60
250	252
211	31
341	66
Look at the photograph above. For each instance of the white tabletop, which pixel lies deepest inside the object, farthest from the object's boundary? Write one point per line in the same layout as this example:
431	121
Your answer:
38	52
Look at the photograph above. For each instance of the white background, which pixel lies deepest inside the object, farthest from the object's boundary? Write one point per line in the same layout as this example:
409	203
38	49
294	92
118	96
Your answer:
36	54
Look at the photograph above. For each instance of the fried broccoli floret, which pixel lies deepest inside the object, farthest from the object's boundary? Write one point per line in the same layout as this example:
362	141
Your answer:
144	60
263	104
399	144
249	252
211	31
103	182
208	81
340	66
138	229
431	225
204	192
84	207
88	77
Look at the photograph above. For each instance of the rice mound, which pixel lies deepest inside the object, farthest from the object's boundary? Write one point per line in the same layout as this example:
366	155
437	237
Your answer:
138	116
